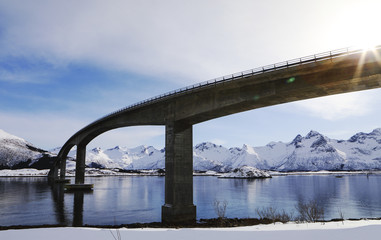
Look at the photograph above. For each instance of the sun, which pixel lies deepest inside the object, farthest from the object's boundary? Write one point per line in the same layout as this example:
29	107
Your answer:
367	42
366	46
358	24
365	34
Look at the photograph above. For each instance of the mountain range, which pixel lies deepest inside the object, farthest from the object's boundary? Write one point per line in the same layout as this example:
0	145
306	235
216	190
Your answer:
312	152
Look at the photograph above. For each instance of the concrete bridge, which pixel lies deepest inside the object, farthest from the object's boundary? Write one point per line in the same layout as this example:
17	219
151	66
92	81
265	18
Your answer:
339	71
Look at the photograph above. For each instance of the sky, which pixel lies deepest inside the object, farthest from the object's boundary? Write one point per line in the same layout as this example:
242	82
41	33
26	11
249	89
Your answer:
64	64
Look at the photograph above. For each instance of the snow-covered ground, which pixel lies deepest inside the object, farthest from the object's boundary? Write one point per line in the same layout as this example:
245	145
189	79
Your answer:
26	172
246	172
364	229
90	172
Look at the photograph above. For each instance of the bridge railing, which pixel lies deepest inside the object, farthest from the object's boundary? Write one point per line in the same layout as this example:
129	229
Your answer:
255	71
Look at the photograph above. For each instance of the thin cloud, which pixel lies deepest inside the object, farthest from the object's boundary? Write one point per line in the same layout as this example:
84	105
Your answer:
21	76
172	40
337	107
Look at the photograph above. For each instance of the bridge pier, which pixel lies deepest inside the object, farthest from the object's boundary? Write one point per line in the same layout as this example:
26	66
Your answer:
178	207
79	171
62	169
80	164
53	173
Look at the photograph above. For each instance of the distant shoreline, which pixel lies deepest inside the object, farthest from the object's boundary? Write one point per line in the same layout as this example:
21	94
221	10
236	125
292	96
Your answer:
94	172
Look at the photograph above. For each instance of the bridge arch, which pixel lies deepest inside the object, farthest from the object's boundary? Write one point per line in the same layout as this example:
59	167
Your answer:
80	143
329	73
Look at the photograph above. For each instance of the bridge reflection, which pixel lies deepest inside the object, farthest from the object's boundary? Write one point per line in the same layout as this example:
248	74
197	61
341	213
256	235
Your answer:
58	195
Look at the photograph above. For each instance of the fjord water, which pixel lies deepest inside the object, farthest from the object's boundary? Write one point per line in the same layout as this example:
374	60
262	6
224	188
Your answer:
131	199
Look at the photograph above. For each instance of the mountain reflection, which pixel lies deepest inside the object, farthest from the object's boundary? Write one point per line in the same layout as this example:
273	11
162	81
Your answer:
124	199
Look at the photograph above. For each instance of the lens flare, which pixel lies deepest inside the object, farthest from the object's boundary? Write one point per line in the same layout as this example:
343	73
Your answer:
291	80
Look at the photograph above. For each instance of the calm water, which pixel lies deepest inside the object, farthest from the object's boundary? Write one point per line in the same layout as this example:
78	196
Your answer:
118	200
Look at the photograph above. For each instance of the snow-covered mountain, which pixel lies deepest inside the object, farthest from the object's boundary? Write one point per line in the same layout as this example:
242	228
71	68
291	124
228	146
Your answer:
142	157
16	152
312	152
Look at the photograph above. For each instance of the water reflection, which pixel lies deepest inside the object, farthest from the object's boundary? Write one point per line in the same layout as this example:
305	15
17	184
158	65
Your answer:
59	194
58	197
125	199
119	200
22	201
78	205
78	209
355	196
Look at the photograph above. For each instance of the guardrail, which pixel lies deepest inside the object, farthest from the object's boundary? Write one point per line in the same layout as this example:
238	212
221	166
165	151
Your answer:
255	71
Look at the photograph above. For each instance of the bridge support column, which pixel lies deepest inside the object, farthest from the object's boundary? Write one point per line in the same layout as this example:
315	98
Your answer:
178	207
62	169
53	173
80	164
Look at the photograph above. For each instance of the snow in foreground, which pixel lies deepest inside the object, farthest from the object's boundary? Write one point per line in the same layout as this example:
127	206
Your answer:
365	229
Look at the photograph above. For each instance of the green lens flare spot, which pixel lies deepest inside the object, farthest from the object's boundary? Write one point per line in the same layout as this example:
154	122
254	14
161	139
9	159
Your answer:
256	97
291	80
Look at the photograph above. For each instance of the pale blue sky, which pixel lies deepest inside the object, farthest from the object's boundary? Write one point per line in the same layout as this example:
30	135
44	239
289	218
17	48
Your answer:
63	64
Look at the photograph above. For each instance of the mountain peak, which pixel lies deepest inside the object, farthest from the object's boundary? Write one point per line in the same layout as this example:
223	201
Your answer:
96	150
5	135
312	133
321	141
15	152
376	131
248	149
205	145
296	140
361	136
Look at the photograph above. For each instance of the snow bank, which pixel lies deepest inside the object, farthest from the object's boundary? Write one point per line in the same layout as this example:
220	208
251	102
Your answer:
333	230
23	172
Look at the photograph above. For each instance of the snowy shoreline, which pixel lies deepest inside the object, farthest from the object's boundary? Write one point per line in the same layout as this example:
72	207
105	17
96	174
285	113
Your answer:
329	230
94	172
323	172
212	223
